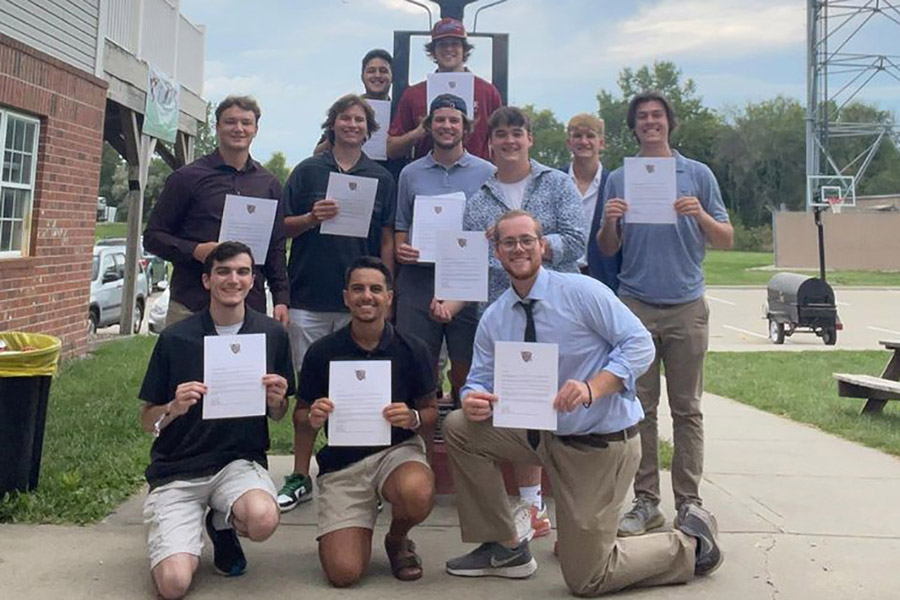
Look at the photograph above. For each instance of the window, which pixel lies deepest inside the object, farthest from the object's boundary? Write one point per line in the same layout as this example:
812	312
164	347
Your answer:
18	163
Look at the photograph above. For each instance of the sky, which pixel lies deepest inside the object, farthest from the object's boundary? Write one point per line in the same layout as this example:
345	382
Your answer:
297	56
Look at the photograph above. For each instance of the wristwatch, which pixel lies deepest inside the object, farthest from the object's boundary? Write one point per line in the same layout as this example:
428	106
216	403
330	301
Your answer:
417	423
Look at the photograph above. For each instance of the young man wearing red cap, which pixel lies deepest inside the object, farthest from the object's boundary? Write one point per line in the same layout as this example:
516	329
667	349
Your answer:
450	49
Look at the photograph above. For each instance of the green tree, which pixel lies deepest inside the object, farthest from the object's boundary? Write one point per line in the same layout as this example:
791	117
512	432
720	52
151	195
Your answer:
699	128
549	137
206	141
277	165
109	160
157	174
760	160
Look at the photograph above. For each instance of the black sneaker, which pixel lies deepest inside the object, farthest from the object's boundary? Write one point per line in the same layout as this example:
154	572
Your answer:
699	523
228	557
493	559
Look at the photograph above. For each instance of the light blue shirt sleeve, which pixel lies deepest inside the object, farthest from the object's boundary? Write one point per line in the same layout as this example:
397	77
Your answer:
481	373
632	345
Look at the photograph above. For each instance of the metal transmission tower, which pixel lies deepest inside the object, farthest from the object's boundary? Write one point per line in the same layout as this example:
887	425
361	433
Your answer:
840	65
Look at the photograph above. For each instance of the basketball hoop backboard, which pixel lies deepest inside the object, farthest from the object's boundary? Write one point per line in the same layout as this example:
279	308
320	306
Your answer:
833	191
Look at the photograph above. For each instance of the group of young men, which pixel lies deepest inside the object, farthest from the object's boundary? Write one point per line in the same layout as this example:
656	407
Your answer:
567	267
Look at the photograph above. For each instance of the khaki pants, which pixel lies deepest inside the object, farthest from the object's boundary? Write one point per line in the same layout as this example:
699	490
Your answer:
681	335
177	312
589	484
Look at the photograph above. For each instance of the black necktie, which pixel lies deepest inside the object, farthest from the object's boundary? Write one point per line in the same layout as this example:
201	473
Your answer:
534	437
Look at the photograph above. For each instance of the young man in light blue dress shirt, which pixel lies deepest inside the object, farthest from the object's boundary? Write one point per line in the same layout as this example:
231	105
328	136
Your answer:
592	455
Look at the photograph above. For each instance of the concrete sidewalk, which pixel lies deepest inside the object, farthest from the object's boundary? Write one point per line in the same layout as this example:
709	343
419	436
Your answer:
802	515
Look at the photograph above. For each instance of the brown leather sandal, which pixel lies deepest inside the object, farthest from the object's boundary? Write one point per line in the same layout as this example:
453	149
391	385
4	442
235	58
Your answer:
405	563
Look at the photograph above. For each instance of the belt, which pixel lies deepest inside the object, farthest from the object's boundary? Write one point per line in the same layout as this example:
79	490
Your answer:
601	439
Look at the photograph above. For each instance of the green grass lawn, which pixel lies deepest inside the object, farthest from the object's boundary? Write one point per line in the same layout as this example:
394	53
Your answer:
732	267
94	449
798	385
110	230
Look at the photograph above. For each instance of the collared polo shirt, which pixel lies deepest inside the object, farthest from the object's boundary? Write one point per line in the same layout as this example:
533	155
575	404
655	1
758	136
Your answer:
414	105
189	446
662	263
427	177
318	262
412	378
188	212
594	332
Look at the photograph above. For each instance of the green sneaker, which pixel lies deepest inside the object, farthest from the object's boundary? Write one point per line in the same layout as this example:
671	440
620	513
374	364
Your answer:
297	489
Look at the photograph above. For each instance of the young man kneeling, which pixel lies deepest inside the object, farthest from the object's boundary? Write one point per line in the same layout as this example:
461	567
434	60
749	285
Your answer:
352	478
209	472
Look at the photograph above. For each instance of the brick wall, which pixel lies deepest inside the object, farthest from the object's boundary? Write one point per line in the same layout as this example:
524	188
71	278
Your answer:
48	291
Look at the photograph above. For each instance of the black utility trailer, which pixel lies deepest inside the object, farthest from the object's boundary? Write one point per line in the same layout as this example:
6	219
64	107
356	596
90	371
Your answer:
801	303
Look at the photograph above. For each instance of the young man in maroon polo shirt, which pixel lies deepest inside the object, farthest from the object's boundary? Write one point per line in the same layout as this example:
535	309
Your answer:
450	49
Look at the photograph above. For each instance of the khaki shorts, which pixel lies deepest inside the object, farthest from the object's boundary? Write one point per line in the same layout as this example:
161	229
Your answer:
347	498
174	513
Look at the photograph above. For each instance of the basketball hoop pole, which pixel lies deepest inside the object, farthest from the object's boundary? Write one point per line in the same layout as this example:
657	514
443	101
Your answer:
817	211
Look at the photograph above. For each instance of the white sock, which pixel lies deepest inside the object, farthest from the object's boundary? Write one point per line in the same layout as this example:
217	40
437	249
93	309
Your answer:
219	521
532	494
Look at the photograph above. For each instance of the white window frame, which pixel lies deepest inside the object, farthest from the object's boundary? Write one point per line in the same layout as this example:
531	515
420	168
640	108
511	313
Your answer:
5	113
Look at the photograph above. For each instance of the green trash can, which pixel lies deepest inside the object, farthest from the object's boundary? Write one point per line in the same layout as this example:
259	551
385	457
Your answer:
27	365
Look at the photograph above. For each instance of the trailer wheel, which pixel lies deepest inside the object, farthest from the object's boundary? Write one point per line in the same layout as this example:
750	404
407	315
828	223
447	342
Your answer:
829	336
776	331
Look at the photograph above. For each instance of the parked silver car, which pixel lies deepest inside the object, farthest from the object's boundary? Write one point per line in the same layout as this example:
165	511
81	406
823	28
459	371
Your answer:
107	281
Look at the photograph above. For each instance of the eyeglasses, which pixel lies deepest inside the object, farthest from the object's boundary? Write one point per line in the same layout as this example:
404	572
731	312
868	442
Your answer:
526	241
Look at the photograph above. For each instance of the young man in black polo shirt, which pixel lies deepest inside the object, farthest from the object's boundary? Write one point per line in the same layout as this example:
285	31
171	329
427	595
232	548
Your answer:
351	479
215	464
183	227
318	262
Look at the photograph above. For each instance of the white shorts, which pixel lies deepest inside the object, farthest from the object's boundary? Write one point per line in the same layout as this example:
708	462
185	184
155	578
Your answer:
174	512
307	326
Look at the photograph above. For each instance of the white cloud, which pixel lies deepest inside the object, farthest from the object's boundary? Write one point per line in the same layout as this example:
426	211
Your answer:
722	28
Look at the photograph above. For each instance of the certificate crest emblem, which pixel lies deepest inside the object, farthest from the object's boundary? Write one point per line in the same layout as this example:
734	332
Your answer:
360	374
452	85
462	242
526	356
438	210
251	208
352	185
650	168
235	348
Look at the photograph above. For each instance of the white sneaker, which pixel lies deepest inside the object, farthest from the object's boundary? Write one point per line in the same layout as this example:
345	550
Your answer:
522	519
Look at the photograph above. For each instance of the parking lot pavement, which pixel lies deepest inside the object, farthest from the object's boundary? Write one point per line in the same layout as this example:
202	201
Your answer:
737	320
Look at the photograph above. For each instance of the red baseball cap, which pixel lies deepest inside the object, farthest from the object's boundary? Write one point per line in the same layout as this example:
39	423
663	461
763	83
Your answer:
448	27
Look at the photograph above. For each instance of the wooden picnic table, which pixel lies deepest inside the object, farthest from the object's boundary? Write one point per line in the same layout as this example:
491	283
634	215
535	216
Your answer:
877	390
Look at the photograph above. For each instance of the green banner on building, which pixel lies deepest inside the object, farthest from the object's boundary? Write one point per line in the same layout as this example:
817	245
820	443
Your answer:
163	104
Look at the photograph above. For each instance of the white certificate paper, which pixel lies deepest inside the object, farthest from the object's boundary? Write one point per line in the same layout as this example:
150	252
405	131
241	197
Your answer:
355	197
433	217
376	147
461	269
459	84
249	220
525	380
233	368
650	190
360	389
